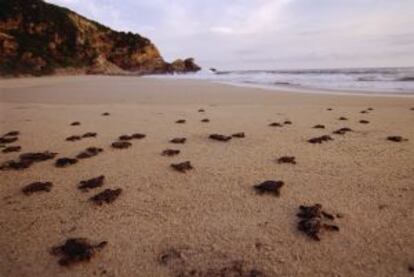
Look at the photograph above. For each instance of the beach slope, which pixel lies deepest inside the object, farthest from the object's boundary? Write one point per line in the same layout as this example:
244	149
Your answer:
209	220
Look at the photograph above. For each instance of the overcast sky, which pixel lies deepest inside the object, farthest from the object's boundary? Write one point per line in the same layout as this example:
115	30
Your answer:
266	34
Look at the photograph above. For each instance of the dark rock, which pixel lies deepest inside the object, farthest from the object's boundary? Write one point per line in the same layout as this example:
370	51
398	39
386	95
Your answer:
220	137
370	109
73	138
91	183
319	126
320	139
269	187
364	121
107	196
89	152
178	140
275	124
287	122
329	109
121	144
63	162
105	114
342	131
184	66
238	135
7	139
11	149
396	138
180	121
205	120
363	112
170	152
287	159
36	187
312	221
201	110
76	123
89	135
182	167
76	250
342	118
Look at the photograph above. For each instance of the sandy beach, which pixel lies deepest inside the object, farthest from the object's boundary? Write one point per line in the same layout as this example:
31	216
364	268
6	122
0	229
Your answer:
208	221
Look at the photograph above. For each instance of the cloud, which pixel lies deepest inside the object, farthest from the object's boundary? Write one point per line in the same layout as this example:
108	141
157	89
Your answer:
266	33
222	30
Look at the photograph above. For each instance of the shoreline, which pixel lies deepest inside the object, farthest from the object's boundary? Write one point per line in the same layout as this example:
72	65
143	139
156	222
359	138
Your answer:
11	83
294	88
323	91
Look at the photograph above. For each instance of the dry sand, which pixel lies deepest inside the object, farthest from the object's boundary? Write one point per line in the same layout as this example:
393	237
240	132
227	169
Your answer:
210	215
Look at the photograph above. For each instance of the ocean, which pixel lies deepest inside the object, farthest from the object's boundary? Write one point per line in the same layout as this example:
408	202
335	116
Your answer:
356	80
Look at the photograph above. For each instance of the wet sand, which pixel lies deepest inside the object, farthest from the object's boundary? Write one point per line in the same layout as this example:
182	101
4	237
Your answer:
210	219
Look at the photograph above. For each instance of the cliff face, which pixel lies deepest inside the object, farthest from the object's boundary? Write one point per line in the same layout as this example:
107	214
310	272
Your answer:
37	38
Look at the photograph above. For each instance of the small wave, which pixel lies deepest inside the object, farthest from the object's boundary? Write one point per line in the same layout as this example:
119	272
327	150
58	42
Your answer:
282	83
354	71
405	79
382	80
367	79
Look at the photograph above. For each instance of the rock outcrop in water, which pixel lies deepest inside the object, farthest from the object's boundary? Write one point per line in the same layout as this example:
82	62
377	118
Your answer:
183	66
37	38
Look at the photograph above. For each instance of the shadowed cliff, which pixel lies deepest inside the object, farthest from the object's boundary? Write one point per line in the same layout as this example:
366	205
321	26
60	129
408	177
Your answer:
37	38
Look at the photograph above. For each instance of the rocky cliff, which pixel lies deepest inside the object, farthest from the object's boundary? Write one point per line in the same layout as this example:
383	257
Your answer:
37	38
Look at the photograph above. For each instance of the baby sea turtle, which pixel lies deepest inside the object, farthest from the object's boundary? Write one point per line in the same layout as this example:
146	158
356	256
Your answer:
269	186
76	250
